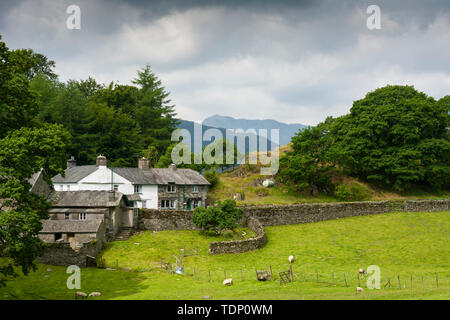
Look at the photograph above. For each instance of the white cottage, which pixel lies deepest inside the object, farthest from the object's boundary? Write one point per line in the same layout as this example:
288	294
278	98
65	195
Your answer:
149	188
140	188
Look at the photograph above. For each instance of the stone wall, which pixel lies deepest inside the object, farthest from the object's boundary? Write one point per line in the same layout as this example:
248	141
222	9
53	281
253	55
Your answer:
427	205
158	220
239	246
272	215
62	254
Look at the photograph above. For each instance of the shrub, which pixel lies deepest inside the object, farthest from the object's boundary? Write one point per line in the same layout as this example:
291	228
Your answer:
224	216
212	177
353	192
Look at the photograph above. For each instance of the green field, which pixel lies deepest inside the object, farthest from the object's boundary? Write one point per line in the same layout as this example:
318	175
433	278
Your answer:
410	247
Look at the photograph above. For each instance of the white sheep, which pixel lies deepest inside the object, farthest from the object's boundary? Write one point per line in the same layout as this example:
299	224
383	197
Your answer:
228	282
95	294
291	259
359	289
80	294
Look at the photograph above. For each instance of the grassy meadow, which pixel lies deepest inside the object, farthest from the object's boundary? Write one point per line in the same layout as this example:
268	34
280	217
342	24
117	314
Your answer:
411	250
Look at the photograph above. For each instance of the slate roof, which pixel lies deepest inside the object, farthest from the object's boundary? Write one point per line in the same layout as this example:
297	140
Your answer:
35	177
178	176
85	199
70	226
152	176
79	210
74	174
134	175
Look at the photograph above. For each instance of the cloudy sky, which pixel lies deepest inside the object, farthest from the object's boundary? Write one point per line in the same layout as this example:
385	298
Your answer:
293	61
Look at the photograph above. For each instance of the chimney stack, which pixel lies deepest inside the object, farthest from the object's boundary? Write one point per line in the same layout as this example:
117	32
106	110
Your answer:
173	166
71	162
101	161
143	164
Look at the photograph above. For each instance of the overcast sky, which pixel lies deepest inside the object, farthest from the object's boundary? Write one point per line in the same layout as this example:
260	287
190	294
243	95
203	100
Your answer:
292	61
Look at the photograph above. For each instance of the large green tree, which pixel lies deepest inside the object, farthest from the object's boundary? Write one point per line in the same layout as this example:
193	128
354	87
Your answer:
26	146
395	136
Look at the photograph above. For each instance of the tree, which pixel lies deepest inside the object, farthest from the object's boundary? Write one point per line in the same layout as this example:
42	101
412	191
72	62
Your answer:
309	164
22	153
224	216
154	113
26	146
395	136
17	101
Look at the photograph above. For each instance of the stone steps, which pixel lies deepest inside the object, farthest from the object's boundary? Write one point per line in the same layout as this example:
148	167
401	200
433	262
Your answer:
123	234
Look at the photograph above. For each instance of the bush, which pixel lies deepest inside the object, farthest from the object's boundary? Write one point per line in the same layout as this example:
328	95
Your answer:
224	216
353	192
213	177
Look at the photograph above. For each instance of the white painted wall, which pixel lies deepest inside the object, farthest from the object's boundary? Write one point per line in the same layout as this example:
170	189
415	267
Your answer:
100	180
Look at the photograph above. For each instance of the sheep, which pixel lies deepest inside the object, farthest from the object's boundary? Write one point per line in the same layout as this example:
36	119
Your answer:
359	289
362	271
80	294
228	282
291	259
95	294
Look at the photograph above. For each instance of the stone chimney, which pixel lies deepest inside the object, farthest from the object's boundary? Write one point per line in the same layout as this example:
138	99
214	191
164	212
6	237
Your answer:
101	161
71	162
143	164
173	166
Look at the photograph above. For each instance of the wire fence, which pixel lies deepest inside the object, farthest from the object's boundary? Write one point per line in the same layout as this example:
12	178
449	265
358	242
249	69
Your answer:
332	278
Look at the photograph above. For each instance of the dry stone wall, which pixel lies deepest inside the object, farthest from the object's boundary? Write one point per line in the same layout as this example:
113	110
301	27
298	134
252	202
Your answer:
158	220
62	254
239	246
273	215
427	205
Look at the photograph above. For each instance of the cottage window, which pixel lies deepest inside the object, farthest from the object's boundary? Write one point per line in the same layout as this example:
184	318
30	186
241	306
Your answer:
137	188
167	204
171	188
82	216
195	203
194	189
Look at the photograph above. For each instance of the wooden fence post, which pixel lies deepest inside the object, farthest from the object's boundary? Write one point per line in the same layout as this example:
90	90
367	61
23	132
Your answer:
437	281
399	284
290	273
209	272
271	275
345	279
359	281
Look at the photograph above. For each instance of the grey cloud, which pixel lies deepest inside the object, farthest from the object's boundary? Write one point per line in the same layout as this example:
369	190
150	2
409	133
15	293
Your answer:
287	60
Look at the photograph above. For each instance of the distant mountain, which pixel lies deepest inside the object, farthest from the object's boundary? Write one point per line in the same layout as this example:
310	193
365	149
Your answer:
191	126
287	131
